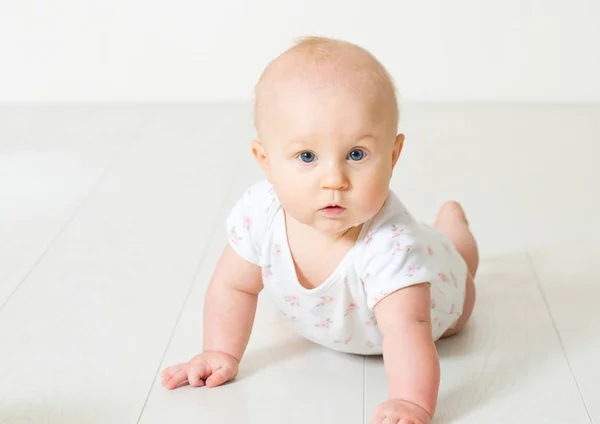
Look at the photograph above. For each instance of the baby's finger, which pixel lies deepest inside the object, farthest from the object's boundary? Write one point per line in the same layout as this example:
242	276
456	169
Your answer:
175	379
216	379
220	376
197	373
377	419
194	379
170	370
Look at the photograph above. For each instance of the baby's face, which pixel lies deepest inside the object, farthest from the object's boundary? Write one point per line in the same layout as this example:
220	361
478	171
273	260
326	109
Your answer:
329	155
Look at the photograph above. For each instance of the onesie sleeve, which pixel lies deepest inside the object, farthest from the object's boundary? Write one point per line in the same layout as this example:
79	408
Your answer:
397	259
246	222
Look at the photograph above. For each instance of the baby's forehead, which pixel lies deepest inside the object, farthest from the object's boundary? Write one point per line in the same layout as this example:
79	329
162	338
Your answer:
347	68
320	66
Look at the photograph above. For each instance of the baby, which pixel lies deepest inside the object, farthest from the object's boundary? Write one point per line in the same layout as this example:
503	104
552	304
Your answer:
339	254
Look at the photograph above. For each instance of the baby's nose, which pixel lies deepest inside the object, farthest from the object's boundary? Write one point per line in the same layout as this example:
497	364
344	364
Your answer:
335	179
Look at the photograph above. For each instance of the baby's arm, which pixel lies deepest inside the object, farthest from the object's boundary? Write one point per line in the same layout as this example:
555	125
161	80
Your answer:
229	310
230	304
409	353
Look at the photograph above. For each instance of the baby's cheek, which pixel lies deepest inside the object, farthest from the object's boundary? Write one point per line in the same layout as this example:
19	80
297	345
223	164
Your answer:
290	202
373	201
297	202
375	187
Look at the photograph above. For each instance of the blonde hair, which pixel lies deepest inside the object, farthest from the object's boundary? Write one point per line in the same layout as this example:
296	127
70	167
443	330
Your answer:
317	52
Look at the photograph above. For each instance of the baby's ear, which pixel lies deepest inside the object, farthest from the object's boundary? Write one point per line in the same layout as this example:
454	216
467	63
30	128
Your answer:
258	150
398	144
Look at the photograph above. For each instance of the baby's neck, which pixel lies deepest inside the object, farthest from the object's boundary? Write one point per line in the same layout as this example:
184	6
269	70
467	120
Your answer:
318	237
317	254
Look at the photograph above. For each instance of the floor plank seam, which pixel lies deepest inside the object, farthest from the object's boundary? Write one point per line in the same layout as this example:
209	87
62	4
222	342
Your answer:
364	390
189	292
70	220
560	340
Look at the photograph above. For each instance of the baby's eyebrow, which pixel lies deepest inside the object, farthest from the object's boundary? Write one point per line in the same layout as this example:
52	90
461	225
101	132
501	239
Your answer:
364	137
297	143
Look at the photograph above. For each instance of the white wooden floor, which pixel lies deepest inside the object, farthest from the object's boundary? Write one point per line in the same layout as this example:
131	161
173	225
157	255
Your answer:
111	220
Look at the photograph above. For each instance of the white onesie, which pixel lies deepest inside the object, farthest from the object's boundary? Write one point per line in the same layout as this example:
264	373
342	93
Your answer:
392	251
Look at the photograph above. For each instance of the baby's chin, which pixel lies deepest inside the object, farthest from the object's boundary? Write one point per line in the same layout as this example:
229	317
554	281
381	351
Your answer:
331	226
338	228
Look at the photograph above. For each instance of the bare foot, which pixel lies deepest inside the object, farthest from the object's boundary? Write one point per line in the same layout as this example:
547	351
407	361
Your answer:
452	222
451	210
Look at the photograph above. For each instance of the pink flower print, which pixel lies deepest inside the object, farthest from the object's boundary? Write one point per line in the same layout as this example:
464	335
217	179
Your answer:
368	237
412	270
276	249
432	303
324	324
396	232
325	300
454	280
266	272
234	237
399	248
370	344
292	299
288	316
446	247
345	341
452	309
430	251
350	308
436	322
247	222
440	291
444	277
371	322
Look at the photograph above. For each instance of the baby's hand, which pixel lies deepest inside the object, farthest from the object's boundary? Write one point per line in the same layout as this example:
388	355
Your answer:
210	368
398	411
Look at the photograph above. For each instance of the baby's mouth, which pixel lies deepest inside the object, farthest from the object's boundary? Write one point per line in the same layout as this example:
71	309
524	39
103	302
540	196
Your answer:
332	210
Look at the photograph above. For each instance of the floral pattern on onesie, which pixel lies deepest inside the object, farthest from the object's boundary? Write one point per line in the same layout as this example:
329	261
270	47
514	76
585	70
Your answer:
393	251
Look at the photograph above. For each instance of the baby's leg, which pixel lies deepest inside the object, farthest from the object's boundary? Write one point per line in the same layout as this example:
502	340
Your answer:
451	222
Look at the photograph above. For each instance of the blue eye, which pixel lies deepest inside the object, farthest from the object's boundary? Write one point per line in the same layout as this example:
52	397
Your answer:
307	157
356	155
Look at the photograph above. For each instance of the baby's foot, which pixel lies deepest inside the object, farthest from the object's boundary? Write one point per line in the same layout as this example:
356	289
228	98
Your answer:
452	211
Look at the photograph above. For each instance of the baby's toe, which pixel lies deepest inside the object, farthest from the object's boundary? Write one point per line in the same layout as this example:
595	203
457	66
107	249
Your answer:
452	210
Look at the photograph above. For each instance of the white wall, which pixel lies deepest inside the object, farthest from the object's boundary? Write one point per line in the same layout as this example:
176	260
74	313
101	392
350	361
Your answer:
196	50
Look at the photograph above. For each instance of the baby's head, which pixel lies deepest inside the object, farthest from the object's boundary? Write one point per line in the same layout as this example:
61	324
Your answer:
327	119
